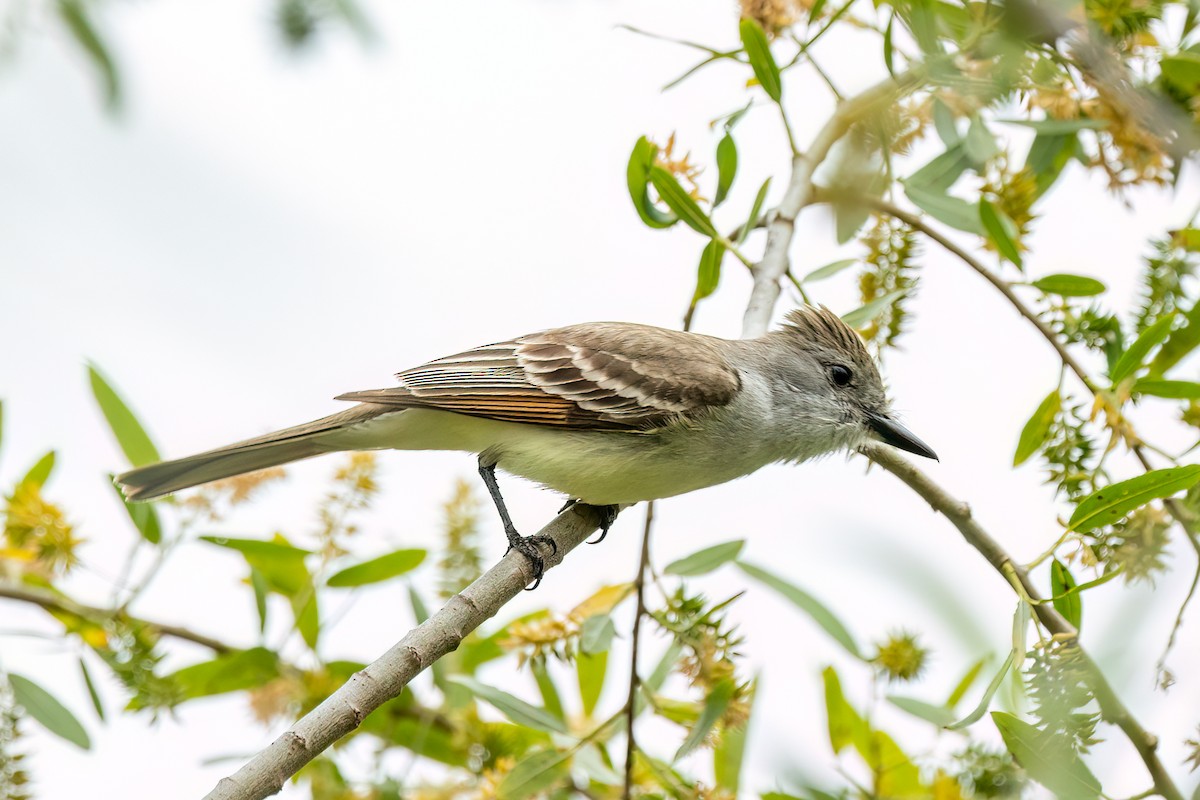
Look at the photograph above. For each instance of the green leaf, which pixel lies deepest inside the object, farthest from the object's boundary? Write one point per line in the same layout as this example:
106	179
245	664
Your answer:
1054	764
1112	503
829	270
945	124
865	315
988	694
727	164
130	435
1058	127
806	603
889	49
229	672
714	707
755	210
1182	70
281	563
679	201
1179	343
1172	390
664	667
1001	231
979	145
39	473
514	708
942	172
383	568
1187	239
1066	602
952	211
596	634
590	669
547	689
1070	285
1048	156
45	708
705	561
758	51
965	683
533	773
1131	360
1034	434
637	176
708	274
143	515
258	582
730	750
91	688
846	726
938	715
307	614
74	15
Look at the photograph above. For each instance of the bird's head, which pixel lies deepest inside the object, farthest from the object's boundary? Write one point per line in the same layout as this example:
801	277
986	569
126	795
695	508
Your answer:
840	376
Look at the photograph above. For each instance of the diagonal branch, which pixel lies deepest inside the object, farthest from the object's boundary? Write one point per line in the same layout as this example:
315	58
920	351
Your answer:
386	677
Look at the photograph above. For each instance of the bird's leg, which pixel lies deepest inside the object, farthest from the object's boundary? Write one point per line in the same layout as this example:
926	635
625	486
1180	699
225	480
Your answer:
608	515
525	545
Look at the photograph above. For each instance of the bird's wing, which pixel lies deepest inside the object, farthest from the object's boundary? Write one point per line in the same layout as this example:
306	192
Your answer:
595	376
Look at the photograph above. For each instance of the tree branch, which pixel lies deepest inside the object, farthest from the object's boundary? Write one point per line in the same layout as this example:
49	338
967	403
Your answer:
634	680
386	677
52	601
959	514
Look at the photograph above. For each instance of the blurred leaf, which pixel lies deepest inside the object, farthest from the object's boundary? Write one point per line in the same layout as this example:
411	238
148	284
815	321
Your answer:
533	773
1066	602
306	611
708	274
938	715
866	314
705	561
418	735
1182	70
965	683
829	270
952	211
596	634
727	164
281	563
637	176
378	569
665	665
806	603
258	582
1070	285
889	49
679	201
1048	156
546	687
130	435
590	669
846	726
755	210
942	172
1112	503
988	694
979	145
229	672
143	515
1058	768
1172	390
730	750
1058	127
1179	343
945	124
1001	231
91	688
758	51
40	472
714	707
514	708
1187	239
1131	360
74	15
1037	428
47	710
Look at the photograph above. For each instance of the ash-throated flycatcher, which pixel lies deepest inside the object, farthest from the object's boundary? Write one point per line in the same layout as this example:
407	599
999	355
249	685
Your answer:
608	413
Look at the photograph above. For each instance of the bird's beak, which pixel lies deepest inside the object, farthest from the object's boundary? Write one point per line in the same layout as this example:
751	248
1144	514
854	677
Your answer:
891	432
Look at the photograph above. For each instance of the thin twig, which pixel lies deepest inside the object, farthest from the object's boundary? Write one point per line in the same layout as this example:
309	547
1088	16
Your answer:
631	703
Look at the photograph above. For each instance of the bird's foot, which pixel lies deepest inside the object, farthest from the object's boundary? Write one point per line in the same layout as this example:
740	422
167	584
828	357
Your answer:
528	546
608	515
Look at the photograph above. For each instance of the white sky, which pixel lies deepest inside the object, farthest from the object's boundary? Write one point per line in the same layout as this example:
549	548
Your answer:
261	231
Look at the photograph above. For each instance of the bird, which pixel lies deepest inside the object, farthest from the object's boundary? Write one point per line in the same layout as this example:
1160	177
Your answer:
607	413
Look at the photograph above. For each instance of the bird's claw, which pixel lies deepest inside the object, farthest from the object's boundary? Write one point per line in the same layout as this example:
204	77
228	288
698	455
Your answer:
528	547
608	515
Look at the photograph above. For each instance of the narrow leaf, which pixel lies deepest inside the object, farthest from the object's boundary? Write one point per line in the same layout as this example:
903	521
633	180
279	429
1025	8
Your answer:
378	569
596	634
533	773
1066	602
546	687
1179	343
1058	127
130	435
1037	428
714	707
806	603
730	752
1070	285
514	708
1132	359
727	164
91	688
144	517
679	201
637	176
705	561
758	51
942	172
965	683
229	672
938	715
952	211
829	270
1049	761
865	315
47	710
979	145
74	15
755	210
988	694
39	473
708	274
590	669
1001	231
1112	503
1172	390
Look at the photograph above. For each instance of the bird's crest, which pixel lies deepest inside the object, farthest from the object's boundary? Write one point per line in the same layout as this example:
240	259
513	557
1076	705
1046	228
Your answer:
817	325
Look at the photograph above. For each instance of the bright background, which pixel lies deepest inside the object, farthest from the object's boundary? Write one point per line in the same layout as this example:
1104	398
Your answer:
262	230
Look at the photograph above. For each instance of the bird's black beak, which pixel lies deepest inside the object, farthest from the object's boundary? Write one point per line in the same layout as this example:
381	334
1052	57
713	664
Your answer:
891	432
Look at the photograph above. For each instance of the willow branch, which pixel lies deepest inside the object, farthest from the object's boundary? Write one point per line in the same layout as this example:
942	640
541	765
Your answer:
781	223
959	514
52	601
386	677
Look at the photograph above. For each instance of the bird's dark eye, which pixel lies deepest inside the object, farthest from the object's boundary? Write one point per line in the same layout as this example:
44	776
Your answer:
841	375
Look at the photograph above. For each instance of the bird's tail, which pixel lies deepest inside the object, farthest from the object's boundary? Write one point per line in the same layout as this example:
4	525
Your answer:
271	450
